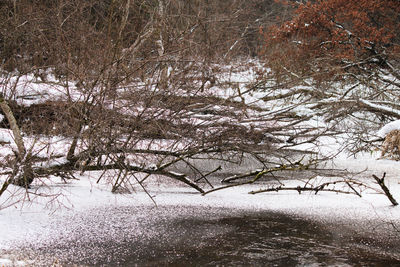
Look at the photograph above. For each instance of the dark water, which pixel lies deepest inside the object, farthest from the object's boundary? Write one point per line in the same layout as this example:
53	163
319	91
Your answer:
270	240
278	240
193	236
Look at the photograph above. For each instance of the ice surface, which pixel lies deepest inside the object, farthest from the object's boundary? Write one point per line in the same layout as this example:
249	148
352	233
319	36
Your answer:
32	220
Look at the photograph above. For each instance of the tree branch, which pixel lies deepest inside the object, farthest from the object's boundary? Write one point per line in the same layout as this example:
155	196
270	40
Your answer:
381	183
316	189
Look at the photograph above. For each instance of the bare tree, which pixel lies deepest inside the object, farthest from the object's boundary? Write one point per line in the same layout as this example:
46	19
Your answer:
138	92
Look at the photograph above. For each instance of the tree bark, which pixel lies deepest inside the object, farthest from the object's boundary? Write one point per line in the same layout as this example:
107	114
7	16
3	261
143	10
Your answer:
23	159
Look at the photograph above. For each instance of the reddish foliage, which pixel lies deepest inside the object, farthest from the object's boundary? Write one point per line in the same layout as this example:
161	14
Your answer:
324	34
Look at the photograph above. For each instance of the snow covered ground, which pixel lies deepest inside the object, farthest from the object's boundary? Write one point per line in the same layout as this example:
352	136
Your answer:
45	219
55	211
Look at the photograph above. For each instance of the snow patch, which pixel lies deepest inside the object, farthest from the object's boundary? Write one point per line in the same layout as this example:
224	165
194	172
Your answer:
5	262
391	126
6	136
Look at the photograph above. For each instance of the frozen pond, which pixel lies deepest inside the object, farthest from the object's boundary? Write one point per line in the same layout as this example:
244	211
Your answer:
192	235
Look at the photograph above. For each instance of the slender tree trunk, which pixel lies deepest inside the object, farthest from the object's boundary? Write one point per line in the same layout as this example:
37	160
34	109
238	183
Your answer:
23	173
163	81
71	151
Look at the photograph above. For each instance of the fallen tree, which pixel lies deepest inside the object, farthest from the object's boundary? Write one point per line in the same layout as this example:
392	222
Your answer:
130	100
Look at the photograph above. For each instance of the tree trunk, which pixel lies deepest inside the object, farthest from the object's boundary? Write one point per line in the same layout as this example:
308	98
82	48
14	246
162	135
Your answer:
23	173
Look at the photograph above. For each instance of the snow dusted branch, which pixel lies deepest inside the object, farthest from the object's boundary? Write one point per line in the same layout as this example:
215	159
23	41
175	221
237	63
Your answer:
319	188
381	183
258	174
380	108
